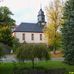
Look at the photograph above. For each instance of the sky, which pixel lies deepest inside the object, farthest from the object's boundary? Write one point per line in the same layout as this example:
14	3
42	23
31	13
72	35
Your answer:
25	10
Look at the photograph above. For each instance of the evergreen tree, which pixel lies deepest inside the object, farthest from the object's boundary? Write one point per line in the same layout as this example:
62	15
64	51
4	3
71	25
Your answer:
68	32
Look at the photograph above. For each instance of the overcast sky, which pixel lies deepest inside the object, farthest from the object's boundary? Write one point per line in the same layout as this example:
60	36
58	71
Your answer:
25	10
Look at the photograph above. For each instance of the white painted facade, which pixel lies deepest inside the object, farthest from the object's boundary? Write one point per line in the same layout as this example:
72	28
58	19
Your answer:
28	37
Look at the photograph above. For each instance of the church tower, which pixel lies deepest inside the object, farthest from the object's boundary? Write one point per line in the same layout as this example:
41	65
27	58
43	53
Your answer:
41	18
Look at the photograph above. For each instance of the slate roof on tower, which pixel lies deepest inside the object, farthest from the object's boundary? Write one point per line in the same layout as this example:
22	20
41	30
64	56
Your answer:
29	27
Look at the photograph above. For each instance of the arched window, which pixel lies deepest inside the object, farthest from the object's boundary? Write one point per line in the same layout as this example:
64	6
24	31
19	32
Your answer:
40	36
23	36
32	37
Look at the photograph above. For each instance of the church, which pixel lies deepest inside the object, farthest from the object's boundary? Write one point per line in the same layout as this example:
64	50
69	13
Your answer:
32	32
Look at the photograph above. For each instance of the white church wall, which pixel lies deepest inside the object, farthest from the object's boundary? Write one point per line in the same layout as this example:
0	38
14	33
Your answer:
28	37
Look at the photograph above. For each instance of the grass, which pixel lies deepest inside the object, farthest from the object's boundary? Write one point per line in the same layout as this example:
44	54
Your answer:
6	68
55	64
42	64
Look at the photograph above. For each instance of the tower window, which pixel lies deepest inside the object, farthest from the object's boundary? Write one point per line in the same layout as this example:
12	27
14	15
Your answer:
23	36
40	36
32	37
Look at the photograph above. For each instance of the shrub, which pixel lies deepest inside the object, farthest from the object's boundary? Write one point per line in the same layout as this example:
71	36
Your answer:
4	49
31	51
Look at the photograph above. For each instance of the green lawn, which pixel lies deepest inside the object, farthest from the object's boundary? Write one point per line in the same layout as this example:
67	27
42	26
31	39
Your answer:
42	64
55	64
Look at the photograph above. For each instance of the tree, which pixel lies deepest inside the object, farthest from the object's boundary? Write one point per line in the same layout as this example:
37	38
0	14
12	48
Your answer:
1	51
16	44
5	17
4	49
31	51
6	24
41	52
6	36
52	30
25	52
68	32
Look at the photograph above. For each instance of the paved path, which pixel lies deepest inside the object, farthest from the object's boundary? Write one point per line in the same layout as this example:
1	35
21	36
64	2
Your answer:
11	58
57	59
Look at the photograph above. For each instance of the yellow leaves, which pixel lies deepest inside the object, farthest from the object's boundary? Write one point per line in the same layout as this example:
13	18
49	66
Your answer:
54	15
49	34
51	14
54	12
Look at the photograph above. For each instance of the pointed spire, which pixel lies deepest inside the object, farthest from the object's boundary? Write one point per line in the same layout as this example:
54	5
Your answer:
41	12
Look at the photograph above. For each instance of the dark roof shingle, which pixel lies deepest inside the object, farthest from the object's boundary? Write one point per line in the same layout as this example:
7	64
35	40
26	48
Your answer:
28	27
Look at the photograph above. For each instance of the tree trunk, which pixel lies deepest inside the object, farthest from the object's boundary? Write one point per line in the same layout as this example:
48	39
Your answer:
33	63
54	50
